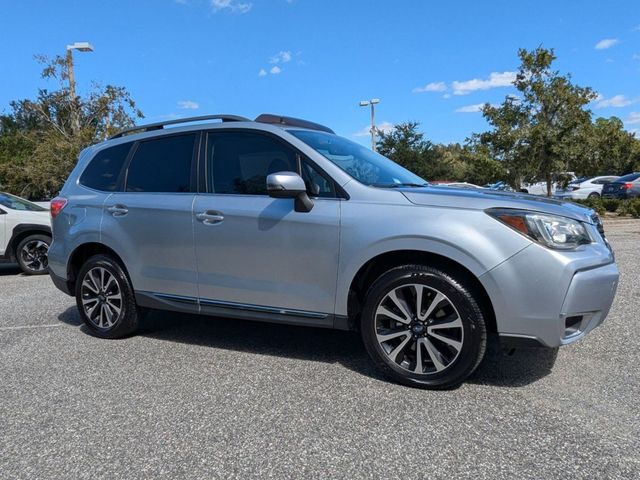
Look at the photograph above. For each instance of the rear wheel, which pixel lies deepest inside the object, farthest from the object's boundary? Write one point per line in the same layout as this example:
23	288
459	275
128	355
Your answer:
594	195
31	254
423	328
105	298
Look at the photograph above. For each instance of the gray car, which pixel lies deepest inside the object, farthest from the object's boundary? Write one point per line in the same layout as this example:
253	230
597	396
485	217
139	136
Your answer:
280	220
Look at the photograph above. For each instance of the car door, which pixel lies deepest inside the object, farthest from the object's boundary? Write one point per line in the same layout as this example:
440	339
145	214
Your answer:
256	253
149	222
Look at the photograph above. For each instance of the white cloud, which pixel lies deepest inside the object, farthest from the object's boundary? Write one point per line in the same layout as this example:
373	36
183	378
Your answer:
476	107
188	104
495	80
633	119
283	56
635	56
606	43
431	87
233	6
275	70
616	101
262	73
385	127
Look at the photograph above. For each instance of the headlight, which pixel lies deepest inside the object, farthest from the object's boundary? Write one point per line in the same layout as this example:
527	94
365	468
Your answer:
552	231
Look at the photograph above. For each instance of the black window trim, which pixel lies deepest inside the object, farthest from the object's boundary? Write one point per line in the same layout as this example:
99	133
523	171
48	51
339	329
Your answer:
203	178
193	183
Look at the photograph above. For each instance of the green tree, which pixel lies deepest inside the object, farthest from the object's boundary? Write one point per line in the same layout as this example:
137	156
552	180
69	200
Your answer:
38	144
608	148
538	133
405	145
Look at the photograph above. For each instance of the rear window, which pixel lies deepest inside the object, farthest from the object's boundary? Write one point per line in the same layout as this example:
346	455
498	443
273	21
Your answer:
103	171
162	165
629	178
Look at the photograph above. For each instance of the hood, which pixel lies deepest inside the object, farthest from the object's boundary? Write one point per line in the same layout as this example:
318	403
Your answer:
481	199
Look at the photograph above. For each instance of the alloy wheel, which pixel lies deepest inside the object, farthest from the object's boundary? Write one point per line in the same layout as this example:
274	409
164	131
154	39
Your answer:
34	255
419	329
101	297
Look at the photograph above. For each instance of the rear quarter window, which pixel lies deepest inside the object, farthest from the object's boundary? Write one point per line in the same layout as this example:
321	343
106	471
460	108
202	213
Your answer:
103	170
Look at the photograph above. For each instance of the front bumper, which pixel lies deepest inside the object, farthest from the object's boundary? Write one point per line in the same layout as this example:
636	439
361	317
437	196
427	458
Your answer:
552	298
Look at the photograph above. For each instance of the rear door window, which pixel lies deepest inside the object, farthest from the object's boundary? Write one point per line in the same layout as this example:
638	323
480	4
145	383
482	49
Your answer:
162	165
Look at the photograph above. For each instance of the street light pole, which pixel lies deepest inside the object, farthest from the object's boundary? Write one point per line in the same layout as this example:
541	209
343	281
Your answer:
82	47
372	103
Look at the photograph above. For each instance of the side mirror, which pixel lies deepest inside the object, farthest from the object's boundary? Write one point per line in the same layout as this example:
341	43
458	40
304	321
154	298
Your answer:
289	185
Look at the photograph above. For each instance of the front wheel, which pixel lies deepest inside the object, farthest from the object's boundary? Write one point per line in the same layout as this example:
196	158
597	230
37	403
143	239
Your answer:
422	327
105	298
32	254
594	195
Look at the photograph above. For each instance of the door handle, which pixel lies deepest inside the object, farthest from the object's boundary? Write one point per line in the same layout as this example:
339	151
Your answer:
118	210
210	217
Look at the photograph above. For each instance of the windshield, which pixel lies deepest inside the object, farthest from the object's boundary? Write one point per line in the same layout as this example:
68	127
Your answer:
364	165
17	203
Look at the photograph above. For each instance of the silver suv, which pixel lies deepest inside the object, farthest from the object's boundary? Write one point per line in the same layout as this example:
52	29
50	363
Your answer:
280	220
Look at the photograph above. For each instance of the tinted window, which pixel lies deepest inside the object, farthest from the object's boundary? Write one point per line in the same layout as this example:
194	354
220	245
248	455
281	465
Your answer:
629	178
103	171
162	165
239	162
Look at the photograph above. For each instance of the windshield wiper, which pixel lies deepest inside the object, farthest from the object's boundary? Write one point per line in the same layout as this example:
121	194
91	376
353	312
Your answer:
397	185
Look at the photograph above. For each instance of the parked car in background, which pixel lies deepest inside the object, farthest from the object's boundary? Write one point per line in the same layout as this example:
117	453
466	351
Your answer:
455	184
25	234
500	186
624	187
584	188
540	188
278	219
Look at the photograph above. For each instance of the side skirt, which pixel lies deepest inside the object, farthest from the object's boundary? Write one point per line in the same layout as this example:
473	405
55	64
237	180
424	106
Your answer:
216	308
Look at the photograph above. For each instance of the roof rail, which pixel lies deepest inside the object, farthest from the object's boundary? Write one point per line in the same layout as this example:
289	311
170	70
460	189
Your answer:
290	121
160	125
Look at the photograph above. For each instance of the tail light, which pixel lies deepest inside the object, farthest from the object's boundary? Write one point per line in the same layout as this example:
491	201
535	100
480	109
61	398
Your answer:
627	186
57	204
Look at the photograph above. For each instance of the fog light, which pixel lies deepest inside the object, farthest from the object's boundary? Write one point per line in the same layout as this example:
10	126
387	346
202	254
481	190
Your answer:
572	325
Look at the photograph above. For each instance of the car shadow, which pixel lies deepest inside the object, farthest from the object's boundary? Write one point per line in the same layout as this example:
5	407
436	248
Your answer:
10	269
517	369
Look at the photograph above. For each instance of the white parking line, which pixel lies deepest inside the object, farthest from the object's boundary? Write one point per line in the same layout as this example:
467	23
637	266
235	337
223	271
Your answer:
22	327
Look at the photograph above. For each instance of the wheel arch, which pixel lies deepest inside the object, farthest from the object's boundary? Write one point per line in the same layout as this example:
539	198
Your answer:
82	253
22	231
376	266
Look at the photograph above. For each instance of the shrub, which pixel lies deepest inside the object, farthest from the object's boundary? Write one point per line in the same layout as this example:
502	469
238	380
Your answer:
595	203
630	207
611	204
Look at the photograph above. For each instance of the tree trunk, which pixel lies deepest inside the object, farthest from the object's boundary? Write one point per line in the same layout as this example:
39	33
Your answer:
549	183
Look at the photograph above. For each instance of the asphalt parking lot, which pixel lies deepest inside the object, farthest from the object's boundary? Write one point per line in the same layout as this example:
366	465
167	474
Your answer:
213	398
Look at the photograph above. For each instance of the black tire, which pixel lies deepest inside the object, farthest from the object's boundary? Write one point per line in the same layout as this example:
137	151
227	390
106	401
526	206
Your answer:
460	302
126	320
31	254
594	195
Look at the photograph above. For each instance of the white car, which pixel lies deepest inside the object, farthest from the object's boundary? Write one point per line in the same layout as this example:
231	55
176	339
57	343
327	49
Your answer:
540	188
590	188
25	234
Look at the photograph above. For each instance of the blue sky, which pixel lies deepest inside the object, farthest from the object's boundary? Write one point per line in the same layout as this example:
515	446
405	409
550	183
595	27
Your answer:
432	62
